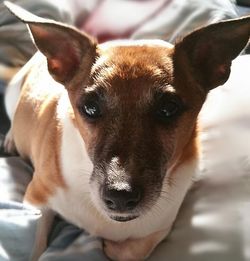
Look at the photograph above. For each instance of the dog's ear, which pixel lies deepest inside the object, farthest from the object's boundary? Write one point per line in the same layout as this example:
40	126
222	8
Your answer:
64	46
208	52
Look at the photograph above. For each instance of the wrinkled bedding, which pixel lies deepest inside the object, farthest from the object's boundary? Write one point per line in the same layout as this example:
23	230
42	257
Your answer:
213	223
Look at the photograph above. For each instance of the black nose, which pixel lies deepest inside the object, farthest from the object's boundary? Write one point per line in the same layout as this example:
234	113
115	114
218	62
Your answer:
121	200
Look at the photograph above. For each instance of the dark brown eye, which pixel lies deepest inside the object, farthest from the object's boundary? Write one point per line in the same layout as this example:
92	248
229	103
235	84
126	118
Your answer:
168	107
92	104
168	110
91	109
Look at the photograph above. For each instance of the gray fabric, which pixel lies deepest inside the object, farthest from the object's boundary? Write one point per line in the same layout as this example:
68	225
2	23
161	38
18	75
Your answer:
174	21
17	226
70	243
2	85
16	46
15	175
184	16
17	221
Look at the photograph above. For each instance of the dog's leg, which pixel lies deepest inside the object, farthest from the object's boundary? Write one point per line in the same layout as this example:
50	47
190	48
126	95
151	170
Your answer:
43	228
134	249
44	223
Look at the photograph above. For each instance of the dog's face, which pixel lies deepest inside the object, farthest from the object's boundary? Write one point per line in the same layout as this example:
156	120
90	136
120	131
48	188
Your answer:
136	105
135	120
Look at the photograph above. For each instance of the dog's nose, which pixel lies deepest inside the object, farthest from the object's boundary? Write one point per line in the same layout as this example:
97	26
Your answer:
121	200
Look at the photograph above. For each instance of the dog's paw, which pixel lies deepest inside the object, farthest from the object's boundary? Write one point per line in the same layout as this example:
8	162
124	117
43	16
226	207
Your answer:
128	250
9	144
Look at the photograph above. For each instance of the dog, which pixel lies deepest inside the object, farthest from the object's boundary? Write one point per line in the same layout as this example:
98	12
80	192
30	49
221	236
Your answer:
112	129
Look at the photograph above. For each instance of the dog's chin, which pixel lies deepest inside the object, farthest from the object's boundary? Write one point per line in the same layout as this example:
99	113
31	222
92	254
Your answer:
123	218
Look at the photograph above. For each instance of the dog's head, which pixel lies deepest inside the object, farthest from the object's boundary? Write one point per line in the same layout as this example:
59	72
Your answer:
136	103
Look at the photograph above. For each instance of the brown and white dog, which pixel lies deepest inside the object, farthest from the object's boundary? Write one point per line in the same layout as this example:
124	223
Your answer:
111	129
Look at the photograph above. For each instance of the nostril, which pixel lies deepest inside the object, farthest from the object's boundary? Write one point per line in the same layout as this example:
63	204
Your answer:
131	204
133	200
110	204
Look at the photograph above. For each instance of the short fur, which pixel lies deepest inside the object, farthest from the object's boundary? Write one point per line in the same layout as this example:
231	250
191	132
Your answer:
134	144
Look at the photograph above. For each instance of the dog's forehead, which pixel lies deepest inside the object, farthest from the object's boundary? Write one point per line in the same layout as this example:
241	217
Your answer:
133	65
135	54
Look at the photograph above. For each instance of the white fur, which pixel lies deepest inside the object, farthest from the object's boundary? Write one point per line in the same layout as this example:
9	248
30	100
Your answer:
12	95
14	88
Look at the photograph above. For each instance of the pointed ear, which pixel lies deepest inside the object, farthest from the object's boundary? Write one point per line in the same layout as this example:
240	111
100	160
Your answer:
208	52
65	47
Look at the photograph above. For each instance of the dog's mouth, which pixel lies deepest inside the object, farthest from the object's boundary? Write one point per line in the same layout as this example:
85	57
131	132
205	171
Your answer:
123	218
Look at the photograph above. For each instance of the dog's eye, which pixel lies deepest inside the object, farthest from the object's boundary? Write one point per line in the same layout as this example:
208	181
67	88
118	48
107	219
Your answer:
168	109
91	109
